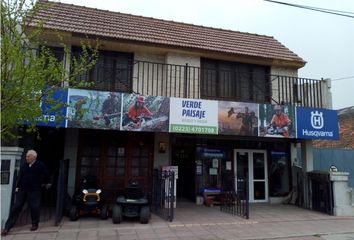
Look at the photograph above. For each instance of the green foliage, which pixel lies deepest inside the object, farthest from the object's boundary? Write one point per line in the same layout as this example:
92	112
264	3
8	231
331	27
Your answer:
30	72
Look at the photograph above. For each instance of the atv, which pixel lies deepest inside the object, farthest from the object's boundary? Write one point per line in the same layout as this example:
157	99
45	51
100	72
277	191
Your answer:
132	204
88	198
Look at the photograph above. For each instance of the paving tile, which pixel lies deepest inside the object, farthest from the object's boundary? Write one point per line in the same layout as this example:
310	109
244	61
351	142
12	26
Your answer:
24	237
147	236
126	231
107	233
67	235
128	237
46	236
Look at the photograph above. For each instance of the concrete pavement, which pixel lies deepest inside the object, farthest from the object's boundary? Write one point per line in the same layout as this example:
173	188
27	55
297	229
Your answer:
267	221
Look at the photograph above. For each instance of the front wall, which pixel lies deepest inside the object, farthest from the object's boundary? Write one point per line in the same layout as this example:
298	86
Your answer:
192	61
147	57
274	82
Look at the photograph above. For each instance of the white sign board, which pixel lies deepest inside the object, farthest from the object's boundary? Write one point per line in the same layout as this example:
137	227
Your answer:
193	116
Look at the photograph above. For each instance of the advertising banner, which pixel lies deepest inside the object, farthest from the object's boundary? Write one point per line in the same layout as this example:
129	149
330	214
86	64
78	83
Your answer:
315	123
277	121
193	116
54	109
94	109
80	108
145	113
238	118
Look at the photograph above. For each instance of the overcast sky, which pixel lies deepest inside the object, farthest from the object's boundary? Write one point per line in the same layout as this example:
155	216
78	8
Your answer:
325	41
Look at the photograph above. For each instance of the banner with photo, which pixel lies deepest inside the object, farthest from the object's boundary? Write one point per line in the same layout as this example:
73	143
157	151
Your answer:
238	118
145	113
277	121
94	109
193	116
80	108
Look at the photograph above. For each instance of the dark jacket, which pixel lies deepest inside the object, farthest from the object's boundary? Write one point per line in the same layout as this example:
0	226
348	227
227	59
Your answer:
31	178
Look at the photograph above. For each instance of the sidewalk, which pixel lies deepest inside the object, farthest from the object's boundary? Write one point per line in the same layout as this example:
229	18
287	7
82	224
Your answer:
199	222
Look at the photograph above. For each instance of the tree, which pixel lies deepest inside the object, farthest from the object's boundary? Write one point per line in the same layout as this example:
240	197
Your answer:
30	72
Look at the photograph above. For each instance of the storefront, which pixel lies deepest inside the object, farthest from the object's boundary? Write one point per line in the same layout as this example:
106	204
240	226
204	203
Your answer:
217	145
217	164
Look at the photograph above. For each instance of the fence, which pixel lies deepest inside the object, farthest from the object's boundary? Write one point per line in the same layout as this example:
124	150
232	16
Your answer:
163	198
315	191
236	202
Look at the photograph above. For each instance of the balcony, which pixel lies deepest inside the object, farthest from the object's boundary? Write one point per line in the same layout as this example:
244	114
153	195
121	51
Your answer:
186	81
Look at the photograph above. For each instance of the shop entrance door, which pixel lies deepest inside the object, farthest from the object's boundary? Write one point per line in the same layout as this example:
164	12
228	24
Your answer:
253	163
116	159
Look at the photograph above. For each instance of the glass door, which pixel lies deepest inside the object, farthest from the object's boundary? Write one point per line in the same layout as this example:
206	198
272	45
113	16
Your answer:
253	163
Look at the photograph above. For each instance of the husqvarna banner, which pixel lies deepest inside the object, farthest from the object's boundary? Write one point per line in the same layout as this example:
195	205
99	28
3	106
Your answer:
317	123
54	109
193	116
79	108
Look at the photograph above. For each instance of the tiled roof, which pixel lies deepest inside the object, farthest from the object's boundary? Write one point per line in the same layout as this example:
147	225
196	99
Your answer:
101	23
346	131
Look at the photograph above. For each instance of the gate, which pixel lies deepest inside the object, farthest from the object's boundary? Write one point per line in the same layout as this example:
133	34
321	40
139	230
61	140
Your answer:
163	198
236	201
315	191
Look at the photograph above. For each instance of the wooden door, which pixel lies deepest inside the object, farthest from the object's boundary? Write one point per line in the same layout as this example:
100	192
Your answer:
116	158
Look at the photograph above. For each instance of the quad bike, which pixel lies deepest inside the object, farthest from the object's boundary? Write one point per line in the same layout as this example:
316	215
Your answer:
132	204
88	198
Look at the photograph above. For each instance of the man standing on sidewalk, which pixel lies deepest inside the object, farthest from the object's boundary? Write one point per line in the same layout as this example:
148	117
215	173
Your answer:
28	188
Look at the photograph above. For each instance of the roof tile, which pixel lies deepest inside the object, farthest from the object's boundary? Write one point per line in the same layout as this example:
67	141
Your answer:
103	23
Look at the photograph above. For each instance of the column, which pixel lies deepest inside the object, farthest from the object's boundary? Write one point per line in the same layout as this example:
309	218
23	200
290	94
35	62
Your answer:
307	166
343	202
10	160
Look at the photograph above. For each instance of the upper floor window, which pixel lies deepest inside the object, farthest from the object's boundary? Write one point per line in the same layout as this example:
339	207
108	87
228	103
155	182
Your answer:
58	53
233	81
112	71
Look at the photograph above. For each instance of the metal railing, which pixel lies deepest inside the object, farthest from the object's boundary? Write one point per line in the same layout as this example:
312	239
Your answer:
160	79
296	91
184	81
163	199
236	202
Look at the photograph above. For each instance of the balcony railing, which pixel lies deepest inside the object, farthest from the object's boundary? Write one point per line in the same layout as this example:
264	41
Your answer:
186	81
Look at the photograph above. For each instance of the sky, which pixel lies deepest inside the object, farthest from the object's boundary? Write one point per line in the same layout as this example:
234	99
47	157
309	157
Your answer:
324	41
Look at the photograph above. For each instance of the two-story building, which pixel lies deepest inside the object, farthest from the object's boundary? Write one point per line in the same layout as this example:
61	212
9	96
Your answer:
219	104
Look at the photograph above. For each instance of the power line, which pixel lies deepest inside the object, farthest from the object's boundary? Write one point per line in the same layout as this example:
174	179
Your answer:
343	78
324	10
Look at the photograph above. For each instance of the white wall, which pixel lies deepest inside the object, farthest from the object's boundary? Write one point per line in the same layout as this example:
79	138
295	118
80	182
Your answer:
13	154
162	159
326	93
193	84
274	81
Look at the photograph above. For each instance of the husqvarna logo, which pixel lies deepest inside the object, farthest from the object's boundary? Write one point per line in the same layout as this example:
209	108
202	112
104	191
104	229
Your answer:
317	121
